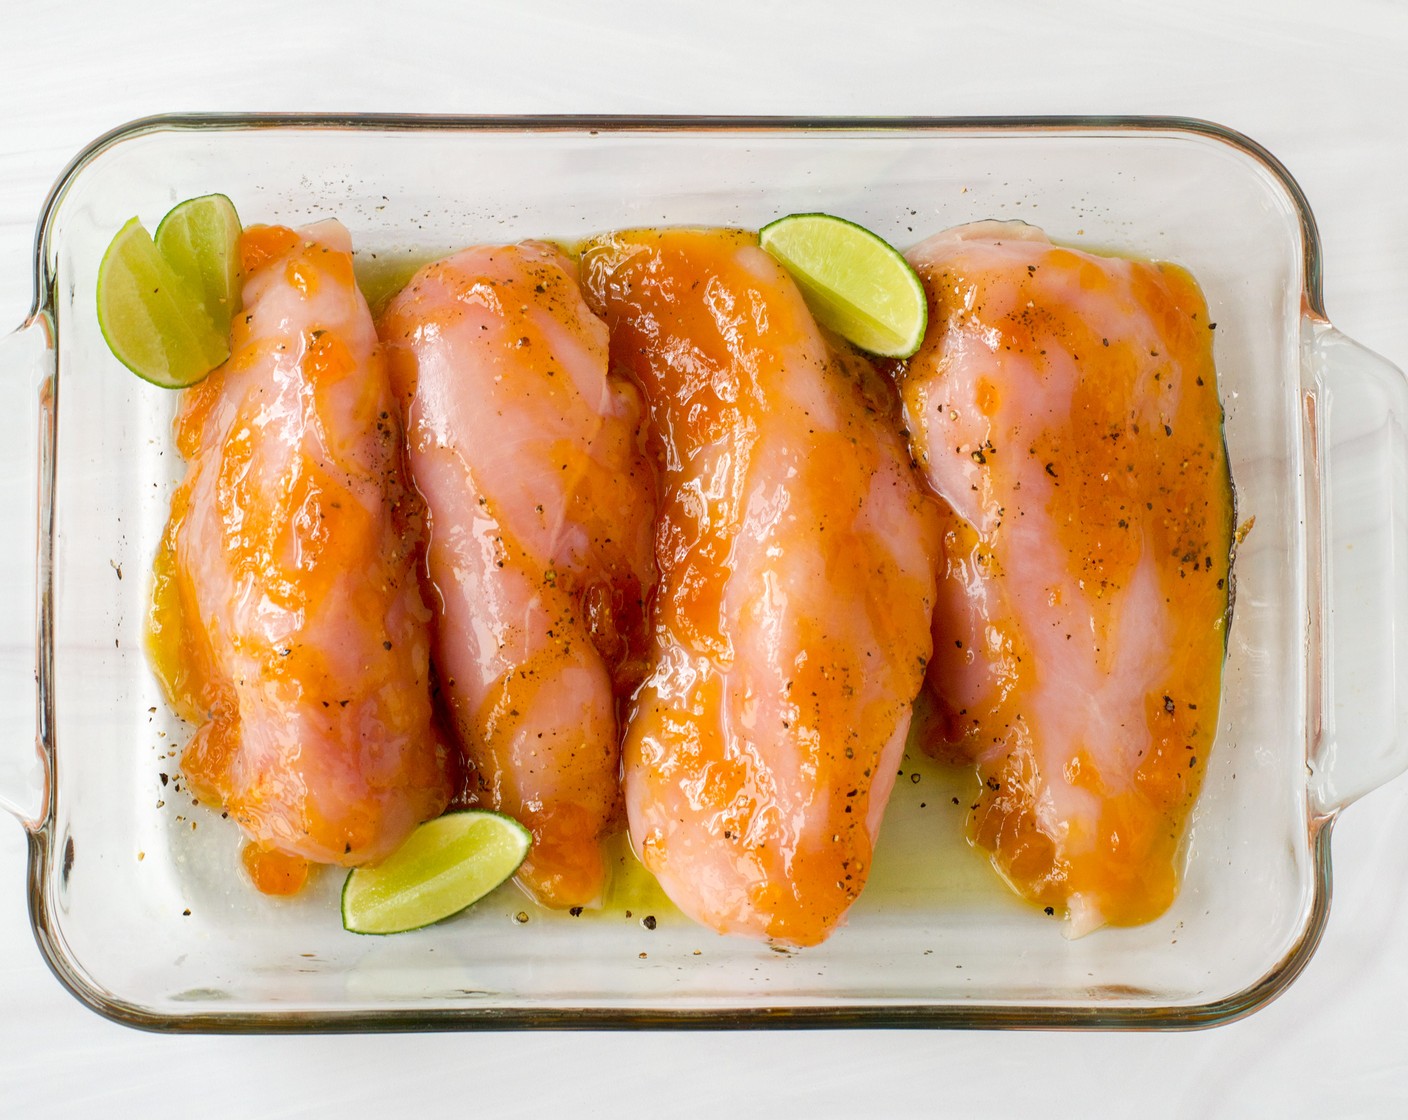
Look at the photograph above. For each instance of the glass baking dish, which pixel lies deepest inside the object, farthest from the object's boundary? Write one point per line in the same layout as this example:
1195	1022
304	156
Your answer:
134	894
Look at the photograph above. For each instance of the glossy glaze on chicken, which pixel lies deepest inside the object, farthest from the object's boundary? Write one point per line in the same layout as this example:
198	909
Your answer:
288	623
677	551
1064	406
540	505
796	581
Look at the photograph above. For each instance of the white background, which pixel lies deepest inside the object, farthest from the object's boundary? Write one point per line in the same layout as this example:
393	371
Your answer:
1323	85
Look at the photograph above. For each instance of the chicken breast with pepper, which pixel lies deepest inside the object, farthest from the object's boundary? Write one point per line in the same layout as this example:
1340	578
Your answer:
540	504
1064	406
791	623
288	621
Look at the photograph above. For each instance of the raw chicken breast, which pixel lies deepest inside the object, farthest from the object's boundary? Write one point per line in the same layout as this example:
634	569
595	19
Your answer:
287	617
791	625
540	506
1064	405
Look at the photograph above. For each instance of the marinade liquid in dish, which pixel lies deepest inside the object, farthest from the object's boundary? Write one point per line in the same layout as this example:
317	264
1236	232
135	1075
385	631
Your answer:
1036	514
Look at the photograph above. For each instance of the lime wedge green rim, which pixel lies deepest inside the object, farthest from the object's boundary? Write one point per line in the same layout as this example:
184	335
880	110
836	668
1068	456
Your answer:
153	324
210	265
454	825
881	306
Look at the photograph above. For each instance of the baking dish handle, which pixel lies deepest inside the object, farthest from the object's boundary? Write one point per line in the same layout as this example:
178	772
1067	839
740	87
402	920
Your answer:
26	405
1358	415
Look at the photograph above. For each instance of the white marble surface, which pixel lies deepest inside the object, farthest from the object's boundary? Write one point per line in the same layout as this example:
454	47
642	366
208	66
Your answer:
1323	86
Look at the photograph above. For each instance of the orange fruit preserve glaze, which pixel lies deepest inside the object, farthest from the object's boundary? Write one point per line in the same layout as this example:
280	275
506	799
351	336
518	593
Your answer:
1065	407
286	618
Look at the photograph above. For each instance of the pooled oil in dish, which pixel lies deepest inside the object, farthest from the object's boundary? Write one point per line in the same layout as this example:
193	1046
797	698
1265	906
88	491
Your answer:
381	274
922	862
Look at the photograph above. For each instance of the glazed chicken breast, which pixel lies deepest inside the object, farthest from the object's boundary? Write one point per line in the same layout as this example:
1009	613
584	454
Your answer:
1064	406
540	505
791	622
287	620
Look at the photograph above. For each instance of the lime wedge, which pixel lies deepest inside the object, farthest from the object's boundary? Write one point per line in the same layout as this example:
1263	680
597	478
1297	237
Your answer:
855	283
200	239
445	865
151	319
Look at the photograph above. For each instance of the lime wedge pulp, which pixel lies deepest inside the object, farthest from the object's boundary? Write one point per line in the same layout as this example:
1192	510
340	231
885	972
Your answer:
855	282
445	865
200	239
150	318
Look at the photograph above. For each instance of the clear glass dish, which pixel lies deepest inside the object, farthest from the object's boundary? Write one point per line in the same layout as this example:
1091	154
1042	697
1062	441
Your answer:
135	896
